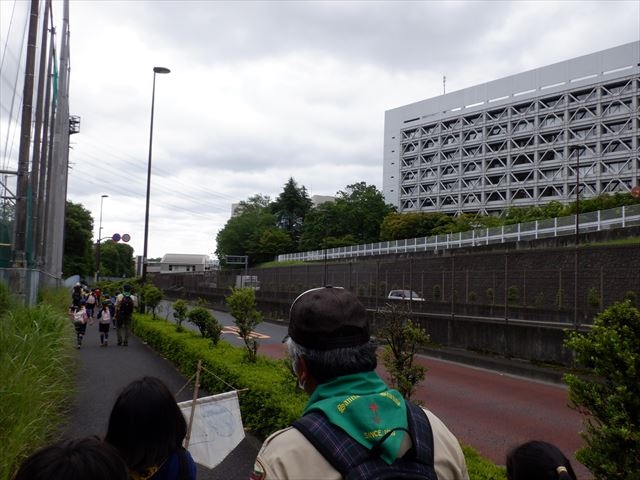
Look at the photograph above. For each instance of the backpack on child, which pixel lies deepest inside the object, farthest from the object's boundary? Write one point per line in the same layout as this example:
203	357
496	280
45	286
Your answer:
79	317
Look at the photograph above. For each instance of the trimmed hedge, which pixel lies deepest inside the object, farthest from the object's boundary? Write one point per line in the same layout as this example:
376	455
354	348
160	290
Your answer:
271	401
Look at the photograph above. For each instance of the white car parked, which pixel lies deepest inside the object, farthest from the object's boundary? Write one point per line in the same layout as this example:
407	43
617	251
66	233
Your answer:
404	295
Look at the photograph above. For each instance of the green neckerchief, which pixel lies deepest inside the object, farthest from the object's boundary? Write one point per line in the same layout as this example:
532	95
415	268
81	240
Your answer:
364	407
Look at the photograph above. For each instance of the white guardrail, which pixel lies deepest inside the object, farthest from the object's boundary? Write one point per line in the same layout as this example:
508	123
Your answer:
619	217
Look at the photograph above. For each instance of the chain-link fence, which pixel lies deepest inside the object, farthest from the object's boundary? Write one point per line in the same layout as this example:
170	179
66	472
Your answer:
561	285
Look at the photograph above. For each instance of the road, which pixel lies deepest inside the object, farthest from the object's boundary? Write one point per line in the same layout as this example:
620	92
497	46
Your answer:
487	410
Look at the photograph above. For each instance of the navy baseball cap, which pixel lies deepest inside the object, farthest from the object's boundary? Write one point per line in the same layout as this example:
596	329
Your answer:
328	317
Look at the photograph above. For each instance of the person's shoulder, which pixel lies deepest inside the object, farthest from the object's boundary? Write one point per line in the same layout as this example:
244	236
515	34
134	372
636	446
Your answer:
448	455
288	454
284	443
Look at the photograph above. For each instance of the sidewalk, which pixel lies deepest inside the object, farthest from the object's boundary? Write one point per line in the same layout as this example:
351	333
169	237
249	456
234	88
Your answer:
104	371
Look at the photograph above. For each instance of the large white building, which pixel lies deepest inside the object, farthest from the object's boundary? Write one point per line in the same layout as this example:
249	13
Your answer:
522	140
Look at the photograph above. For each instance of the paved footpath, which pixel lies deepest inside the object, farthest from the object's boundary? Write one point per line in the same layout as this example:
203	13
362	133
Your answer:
104	371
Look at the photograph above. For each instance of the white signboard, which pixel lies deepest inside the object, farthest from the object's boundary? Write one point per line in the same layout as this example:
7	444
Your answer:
217	427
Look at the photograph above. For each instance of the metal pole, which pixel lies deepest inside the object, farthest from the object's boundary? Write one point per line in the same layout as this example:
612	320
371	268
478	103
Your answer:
99	239
146	211
577	242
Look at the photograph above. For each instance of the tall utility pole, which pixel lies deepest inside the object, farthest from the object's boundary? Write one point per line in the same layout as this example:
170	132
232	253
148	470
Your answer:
22	190
57	180
39	147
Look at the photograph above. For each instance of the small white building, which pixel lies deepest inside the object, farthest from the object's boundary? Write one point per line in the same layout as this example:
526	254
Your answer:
185	262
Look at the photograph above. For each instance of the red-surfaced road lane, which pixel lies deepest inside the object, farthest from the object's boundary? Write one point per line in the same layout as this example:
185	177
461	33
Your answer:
493	412
488	410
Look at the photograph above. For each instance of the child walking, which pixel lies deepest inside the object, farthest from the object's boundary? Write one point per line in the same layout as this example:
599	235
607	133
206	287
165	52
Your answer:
78	315
104	323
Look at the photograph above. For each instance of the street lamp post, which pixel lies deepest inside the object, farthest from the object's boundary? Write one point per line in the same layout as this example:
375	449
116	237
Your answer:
146	211
97	279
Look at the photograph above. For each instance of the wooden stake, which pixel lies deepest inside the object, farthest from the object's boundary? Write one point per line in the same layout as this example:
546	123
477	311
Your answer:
193	404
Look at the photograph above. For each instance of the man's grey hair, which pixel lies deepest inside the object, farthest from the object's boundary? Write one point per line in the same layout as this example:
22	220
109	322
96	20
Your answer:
325	365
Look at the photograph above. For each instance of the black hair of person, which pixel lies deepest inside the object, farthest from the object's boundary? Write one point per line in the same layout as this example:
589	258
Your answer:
79	459
538	460
146	424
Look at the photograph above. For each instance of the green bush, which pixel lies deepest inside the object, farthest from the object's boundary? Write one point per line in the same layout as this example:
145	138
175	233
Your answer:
513	295
36	368
490	295
271	402
207	324
538	300
609	395
437	294
480	468
151	297
402	336
593	298
179	313
242	305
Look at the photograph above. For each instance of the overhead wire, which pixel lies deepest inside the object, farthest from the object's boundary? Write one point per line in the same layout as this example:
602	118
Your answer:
6	154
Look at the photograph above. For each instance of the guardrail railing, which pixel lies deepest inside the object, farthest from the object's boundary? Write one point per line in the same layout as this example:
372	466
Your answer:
619	217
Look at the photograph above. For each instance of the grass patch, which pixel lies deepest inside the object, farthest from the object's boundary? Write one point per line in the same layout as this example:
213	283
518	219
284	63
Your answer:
286	263
37	372
480	468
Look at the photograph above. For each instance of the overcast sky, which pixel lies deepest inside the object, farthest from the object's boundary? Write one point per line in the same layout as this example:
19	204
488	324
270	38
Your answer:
263	91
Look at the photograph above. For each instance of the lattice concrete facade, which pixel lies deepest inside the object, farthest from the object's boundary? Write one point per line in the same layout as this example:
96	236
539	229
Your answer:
522	140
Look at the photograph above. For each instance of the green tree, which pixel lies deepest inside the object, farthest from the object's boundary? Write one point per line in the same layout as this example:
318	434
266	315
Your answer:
609	396
267	243
257	202
78	254
402	336
180	309
207	324
354	217
116	259
290	208
151	297
397	226
239	233
364	209
242	303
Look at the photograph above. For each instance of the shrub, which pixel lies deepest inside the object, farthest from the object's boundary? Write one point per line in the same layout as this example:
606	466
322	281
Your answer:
473	296
513	295
402	336
179	313
593	298
609	395
242	303
490	295
437	293
538	300
152	296
207	324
